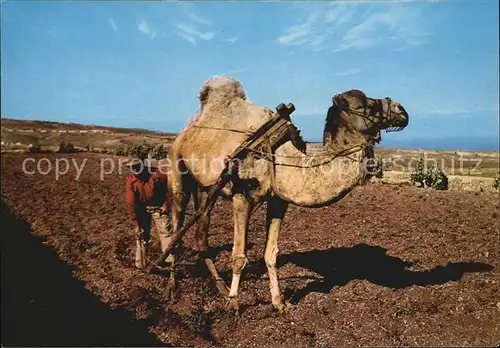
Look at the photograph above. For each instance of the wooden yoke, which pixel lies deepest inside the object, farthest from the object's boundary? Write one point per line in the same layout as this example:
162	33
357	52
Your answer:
275	132
278	130
294	136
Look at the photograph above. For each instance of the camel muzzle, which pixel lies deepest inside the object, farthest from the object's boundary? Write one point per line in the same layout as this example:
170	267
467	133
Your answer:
398	123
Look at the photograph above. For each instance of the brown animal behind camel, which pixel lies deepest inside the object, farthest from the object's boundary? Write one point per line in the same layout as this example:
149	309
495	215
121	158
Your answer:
352	127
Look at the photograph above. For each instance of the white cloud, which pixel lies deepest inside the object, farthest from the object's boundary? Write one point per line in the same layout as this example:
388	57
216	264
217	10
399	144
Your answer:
192	34
207	36
199	19
187	37
145	28
343	26
397	20
299	34
233	39
113	24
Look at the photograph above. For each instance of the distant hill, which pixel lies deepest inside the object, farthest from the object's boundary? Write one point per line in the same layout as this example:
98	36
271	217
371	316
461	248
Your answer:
19	134
36	124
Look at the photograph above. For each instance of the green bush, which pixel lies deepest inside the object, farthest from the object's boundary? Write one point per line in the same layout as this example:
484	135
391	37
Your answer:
159	152
418	176
139	150
143	151
379	167
120	151
66	147
496	183
431	177
436	179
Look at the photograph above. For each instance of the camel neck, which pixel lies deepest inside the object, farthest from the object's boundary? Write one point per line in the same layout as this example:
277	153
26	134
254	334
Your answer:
345	140
339	135
317	179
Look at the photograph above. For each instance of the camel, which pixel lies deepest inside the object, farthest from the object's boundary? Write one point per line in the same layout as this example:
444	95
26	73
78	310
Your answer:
352	128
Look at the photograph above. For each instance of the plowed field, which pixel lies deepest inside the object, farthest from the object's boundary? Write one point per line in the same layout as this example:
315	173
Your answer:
387	265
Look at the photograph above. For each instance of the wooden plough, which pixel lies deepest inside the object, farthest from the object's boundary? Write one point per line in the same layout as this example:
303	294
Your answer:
267	138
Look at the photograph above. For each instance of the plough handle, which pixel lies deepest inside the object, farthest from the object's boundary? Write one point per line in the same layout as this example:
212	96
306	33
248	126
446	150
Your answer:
207	205
161	259
283	111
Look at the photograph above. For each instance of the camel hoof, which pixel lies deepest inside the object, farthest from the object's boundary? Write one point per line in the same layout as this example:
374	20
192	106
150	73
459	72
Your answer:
232	304
172	291
285	307
140	264
171	294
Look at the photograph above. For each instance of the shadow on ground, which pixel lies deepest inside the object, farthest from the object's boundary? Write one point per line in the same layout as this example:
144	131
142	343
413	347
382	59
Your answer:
43	305
338	266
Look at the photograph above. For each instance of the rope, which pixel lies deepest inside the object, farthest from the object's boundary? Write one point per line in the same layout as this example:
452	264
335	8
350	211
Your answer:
275	156
369	117
181	257
333	155
271	168
223	129
271	157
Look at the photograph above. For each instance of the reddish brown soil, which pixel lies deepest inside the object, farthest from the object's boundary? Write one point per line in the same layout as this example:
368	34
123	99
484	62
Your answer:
388	265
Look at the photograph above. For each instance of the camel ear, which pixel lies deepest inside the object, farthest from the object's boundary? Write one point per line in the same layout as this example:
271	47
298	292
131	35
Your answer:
340	102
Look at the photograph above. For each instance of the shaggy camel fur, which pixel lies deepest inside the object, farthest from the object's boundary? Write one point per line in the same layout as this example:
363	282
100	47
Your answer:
352	127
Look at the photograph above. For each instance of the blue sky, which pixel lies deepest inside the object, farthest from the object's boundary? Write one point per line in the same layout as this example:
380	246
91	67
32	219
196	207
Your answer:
141	64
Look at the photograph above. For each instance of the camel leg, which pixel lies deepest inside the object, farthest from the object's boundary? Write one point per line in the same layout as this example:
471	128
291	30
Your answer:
180	198
202	244
203	223
276	209
181	188
241	211
179	205
201	237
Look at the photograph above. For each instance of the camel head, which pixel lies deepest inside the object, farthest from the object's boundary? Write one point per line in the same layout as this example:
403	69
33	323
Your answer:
220	89
366	116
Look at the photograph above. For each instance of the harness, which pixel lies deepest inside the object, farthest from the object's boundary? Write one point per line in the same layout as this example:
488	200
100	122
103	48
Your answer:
364	114
264	141
277	131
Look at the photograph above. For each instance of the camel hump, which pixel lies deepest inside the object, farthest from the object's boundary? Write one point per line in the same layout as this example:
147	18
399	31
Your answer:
226	119
219	89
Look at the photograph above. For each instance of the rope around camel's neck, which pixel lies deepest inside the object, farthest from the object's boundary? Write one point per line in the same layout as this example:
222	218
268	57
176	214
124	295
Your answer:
345	138
323	177
339	134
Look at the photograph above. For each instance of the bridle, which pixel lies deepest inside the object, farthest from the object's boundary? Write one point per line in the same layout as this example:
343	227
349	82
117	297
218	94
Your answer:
379	123
389	117
366	115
